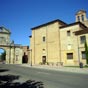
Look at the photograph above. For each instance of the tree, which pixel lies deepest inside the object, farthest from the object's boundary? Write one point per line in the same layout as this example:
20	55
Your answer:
86	52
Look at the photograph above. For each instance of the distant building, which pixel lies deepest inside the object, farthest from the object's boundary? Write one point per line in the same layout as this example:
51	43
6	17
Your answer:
57	42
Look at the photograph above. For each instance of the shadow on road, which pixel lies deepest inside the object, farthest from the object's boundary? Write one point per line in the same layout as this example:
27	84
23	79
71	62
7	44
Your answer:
3	70
7	81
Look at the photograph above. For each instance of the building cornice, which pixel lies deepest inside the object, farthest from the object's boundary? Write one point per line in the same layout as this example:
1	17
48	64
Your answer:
57	20
72	24
84	31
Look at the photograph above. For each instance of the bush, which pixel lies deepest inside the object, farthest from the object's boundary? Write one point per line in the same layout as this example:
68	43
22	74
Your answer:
40	63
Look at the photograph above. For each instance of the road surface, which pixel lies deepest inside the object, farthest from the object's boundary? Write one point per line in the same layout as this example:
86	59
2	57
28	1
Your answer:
50	78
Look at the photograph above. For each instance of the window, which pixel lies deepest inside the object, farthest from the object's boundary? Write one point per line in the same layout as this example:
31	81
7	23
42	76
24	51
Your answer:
82	39
78	18
69	55
83	55
68	33
44	39
43	49
82	17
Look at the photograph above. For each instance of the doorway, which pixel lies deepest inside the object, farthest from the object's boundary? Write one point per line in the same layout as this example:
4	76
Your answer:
43	59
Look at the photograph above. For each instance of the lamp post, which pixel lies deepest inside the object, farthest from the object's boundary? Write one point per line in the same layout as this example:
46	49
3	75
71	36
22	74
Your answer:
10	55
14	55
31	56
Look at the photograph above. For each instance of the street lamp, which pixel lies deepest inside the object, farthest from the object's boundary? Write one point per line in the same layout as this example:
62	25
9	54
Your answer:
10	54
31	56
14	55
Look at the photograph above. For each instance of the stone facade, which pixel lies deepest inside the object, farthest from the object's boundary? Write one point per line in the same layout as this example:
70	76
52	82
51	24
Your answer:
42	41
72	44
13	51
56	42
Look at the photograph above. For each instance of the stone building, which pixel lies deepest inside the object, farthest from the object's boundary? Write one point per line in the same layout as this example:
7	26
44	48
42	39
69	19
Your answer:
57	42
13	51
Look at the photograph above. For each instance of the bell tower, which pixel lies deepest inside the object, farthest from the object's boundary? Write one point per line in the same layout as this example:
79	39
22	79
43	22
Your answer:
81	16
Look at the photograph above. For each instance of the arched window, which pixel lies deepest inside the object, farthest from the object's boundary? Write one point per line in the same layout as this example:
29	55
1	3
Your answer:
78	18
82	17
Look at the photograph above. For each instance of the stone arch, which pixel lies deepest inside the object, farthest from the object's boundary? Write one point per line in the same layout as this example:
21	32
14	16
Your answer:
7	53
2	55
25	58
13	51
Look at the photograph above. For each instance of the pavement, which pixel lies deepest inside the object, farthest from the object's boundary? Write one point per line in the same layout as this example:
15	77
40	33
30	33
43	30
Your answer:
58	68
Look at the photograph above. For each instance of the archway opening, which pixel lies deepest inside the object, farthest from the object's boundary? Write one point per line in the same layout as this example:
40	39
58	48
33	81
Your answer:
2	55
25	58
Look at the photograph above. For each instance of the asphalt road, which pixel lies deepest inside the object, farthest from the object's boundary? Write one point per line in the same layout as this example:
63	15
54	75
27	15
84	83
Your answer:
51	79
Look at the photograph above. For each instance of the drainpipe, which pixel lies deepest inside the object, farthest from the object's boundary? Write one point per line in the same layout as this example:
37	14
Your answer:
78	51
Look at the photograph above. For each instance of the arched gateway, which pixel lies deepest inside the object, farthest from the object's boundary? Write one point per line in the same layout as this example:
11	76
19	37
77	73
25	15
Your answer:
13	51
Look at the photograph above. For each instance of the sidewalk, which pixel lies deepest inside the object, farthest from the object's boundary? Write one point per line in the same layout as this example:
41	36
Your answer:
59	68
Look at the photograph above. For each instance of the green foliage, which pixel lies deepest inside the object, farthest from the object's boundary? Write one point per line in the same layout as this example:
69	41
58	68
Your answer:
3	56
86	51
47	63
40	63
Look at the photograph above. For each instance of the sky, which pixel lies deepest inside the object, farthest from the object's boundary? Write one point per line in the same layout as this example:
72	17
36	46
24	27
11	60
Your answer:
19	16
